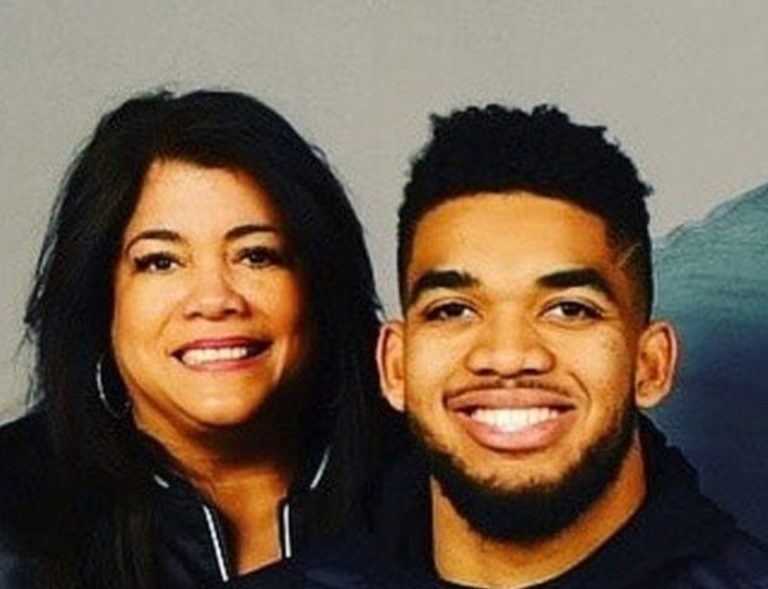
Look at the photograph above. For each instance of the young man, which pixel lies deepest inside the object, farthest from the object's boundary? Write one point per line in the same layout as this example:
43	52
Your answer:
525	353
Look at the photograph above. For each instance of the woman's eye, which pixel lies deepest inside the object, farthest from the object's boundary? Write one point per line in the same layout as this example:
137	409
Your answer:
575	311
259	257
448	311
156	263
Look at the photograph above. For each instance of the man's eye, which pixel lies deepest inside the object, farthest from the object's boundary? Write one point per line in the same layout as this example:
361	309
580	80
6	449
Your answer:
156	263
448	311
261	256
572	310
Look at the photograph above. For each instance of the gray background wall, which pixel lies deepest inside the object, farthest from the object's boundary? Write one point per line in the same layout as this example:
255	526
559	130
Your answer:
683	84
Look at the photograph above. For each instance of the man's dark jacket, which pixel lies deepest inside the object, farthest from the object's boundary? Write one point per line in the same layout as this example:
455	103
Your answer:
678	539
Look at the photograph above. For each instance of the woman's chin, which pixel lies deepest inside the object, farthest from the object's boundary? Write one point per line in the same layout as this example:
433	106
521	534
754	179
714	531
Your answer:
205	416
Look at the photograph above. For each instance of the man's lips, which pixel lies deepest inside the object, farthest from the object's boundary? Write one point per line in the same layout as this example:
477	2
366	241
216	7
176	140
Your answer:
520	397
513	419
218	351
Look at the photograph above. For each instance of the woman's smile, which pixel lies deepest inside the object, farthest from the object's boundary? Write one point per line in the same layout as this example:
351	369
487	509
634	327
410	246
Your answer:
229	353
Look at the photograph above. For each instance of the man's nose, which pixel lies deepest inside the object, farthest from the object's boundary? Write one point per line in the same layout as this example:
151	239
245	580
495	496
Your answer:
213	294
509	345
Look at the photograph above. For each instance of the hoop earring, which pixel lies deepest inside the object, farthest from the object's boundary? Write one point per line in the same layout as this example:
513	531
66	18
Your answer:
118	414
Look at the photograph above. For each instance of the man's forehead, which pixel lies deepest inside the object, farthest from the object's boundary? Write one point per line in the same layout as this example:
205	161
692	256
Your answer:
514	224
514	212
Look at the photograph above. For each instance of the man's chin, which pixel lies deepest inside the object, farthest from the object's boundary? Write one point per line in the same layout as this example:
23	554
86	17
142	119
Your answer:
534	511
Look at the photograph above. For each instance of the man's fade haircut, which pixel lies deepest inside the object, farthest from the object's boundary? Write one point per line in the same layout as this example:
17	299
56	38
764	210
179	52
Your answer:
501	149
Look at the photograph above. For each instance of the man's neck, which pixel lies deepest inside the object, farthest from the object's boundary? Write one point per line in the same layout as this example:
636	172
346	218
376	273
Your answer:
463	556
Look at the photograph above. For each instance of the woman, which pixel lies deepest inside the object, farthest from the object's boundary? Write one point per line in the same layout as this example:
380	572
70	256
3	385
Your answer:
203	316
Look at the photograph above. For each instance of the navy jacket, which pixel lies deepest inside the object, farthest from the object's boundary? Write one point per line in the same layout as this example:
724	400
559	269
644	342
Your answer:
192	545
678	539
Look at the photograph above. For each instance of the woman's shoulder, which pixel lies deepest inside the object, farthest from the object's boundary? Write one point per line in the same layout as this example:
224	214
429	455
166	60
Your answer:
23	465
27	427
347	561
24	452
24	434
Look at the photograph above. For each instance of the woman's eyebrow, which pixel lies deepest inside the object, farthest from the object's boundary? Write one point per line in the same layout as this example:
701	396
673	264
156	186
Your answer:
248	229
175	237
158	234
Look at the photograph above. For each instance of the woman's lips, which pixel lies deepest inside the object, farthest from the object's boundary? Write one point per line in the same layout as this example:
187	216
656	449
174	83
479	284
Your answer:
513	420
221	354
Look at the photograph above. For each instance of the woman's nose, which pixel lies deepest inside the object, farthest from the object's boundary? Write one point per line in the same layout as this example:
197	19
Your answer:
213	295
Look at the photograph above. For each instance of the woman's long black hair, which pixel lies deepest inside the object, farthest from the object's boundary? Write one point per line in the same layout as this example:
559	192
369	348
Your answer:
98	520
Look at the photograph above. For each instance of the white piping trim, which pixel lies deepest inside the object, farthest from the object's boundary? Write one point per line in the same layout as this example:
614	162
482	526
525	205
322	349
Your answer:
285	509
286	517
320	469
216	544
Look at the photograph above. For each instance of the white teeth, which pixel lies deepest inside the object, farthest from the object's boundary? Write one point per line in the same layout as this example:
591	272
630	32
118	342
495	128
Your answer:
511	420
205	355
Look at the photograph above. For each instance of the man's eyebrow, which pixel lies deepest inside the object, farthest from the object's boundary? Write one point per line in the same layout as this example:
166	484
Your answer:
432	279
587	277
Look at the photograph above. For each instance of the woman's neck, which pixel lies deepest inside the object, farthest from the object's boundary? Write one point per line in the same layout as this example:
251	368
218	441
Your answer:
248	499
245	472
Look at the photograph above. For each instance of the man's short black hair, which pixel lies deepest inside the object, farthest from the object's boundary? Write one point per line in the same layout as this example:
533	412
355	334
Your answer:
500	149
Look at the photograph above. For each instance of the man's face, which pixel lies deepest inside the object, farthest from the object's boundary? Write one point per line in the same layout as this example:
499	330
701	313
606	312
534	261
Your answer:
522	342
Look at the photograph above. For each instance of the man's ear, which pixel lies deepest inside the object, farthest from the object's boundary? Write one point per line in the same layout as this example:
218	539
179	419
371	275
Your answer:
391	362
656	362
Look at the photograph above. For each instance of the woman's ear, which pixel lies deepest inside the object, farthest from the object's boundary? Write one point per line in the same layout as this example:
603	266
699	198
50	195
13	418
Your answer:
390	360
656	362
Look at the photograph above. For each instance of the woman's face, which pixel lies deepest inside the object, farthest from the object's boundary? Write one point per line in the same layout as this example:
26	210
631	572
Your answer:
208	317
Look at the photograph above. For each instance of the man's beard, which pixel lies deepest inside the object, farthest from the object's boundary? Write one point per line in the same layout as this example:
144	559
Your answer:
534	511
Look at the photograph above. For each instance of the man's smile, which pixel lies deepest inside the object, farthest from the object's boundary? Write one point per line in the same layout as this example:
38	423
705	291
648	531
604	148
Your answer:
513	419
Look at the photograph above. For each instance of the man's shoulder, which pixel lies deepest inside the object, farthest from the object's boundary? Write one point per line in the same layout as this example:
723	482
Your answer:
697	543
740	561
